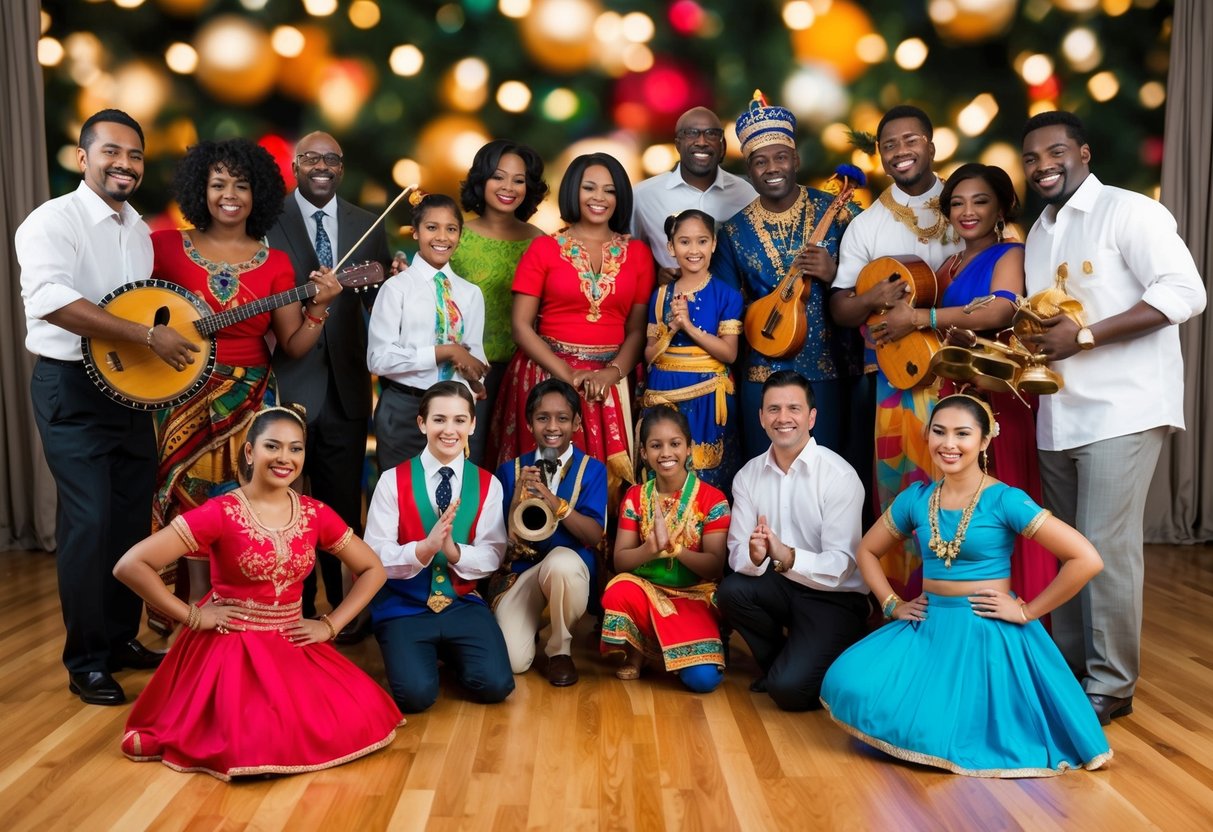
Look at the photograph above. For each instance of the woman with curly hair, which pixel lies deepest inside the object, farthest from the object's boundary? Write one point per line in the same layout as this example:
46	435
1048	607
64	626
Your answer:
230	192
503	188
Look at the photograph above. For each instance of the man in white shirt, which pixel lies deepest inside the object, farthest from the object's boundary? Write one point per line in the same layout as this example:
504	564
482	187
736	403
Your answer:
796	595
697	181
74	250
331	381
1099	437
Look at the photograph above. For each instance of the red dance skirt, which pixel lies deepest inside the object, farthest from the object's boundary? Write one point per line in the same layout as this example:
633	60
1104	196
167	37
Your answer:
681	626
251	702
605	425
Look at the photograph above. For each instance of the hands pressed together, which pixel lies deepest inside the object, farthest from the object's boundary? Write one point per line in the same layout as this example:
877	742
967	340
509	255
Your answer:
764	543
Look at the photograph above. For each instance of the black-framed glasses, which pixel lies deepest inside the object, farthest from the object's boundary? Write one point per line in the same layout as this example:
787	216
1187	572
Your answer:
693	133
331	159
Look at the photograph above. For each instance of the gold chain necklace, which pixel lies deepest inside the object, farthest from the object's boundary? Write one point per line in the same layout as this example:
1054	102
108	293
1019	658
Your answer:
786	224
949	550
905	215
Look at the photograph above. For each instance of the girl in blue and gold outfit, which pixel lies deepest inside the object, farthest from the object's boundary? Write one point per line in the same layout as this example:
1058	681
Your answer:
965	678
694	324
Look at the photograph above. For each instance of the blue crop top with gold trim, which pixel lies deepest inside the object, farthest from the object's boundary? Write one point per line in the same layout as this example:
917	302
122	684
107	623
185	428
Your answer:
1002	513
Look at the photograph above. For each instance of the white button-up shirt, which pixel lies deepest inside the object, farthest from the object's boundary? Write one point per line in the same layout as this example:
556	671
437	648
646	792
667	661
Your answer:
877	233
71	248
478	558
815	508
400	338
656	198
1119	248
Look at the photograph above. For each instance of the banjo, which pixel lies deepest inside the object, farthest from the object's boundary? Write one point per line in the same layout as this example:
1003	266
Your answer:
133	375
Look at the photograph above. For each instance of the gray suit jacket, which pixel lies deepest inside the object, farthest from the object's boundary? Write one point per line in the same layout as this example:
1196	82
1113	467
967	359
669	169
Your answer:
337	364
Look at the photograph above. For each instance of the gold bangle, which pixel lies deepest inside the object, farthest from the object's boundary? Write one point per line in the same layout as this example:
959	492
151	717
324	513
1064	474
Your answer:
615	367
329	624
563	510
193	619
1023	610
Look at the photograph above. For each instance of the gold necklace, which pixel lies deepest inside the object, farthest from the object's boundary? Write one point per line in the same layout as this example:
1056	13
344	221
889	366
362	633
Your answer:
949	550
905	215
795	222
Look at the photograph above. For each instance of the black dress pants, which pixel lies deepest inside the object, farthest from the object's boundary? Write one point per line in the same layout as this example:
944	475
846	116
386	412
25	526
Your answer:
819	625
103	458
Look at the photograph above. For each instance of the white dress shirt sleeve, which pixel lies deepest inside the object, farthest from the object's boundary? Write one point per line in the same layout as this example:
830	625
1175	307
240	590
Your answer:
382	530
46	249
483	555
741	525
853	254
1158	257
397	341
473	329
841	513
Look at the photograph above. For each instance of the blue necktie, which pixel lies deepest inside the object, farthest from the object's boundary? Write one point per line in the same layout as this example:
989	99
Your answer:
324	248
443	494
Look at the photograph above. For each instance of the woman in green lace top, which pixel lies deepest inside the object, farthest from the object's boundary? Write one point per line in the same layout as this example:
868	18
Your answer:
503	188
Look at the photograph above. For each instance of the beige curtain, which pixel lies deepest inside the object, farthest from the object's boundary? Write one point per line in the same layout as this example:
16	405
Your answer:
1180	505
27	492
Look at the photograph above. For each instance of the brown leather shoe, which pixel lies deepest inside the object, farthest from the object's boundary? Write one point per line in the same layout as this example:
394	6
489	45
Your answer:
561	671
1108	708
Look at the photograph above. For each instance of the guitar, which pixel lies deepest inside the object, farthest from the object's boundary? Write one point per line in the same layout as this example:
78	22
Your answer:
776	324
133	375
906	361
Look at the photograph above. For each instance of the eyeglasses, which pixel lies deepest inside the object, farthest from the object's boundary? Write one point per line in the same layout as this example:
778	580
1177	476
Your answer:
914	141
331	159
692	133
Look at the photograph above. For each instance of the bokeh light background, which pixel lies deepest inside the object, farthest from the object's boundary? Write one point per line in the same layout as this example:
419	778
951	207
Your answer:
412	88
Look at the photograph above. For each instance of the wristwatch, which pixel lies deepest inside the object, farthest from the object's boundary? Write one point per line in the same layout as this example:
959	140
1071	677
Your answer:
1085	339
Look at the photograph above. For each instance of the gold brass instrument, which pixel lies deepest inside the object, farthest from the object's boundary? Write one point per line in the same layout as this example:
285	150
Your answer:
533	519
1010	366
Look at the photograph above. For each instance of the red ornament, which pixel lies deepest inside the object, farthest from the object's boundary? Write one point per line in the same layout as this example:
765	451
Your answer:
686	17
1151	151
1047	90
653	100
283	154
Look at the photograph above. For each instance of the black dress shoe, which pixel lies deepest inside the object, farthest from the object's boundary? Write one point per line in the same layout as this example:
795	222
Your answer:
135	656
1108	708
96	687
561	670
352	633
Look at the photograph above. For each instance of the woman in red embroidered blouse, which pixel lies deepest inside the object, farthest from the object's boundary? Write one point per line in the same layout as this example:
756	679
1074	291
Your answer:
250	686
231	192
580	300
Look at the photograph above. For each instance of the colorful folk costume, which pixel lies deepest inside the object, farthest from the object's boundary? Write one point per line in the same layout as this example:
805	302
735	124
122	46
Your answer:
898	224
582	314
1013	457
200	440
249	701
754	252
685	376
973	695
423	608
662	608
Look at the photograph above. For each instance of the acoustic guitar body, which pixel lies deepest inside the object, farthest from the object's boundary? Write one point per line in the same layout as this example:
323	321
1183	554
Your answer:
132	374
906	361
776	327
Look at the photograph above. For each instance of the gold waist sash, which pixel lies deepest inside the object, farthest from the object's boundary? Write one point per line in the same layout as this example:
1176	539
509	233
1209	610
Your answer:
262	616
692	360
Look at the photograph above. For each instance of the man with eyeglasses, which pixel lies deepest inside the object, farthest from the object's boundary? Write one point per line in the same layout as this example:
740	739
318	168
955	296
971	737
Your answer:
332	382
697	181
905	219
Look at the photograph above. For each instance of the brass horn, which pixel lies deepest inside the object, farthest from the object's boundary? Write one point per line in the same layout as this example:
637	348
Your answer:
533	519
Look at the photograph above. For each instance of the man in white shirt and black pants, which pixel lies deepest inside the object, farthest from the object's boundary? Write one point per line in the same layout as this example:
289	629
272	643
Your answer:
1099	437
796	595
74	250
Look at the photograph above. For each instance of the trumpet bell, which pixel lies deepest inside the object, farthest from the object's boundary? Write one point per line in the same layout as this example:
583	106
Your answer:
533	520
1040	380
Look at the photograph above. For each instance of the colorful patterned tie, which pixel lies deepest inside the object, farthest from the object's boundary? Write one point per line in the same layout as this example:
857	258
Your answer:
442	594
448	321
324	248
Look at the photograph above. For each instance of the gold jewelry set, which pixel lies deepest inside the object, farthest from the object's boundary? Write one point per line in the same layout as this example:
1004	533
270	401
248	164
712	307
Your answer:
905	215
949	550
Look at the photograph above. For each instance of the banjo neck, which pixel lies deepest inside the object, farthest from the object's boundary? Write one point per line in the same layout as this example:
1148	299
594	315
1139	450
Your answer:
210	324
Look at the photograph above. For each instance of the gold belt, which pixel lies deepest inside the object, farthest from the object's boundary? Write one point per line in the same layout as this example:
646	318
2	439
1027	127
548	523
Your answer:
586	352
692	360
262	616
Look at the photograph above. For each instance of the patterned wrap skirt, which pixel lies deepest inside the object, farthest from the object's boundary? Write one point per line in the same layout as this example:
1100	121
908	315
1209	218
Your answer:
679	625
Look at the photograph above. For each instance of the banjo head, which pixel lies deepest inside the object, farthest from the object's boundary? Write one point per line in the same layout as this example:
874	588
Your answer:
132	374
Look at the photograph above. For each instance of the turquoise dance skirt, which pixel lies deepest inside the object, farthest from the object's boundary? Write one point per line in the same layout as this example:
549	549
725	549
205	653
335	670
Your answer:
972	695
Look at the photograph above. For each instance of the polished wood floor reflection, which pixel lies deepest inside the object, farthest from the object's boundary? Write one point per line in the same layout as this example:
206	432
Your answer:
605	754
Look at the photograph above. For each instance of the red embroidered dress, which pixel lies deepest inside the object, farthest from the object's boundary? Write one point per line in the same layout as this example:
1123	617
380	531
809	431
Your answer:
582	317
251	702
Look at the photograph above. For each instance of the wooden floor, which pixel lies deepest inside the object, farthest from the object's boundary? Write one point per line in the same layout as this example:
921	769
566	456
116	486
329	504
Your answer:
606	754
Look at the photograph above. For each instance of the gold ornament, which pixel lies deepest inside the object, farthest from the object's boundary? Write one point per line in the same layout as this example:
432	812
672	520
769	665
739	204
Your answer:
832	37
559	34
236	63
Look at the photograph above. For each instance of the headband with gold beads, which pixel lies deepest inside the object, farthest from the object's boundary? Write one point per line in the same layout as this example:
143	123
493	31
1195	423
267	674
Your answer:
297	411
981	403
